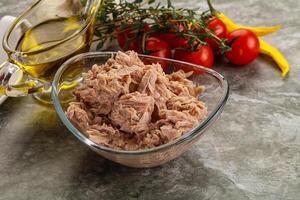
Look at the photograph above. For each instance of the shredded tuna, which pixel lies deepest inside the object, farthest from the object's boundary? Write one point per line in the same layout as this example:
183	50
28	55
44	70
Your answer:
132	112
180	85
126	104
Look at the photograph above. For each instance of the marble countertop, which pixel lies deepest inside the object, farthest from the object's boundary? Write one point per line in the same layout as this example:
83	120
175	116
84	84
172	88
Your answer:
252	151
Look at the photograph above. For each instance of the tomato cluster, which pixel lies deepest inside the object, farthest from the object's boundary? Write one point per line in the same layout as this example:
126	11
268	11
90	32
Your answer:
244	44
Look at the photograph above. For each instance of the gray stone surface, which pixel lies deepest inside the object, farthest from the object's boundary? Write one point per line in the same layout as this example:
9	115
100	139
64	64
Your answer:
252	152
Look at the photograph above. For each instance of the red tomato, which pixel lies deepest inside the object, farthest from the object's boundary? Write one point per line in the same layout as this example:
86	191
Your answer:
184	43
171	38
203	56
129	34
219	28
159	48
122	37
180	42
244	47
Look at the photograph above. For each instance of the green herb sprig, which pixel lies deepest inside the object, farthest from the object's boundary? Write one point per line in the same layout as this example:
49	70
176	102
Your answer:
125	16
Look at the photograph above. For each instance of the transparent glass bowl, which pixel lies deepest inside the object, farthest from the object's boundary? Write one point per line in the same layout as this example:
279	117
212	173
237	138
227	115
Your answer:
215	96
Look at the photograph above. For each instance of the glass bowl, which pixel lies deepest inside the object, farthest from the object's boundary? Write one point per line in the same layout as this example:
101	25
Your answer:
215	96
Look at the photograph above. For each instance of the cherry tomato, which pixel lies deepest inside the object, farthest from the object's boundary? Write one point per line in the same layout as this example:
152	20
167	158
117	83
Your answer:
128	34
159	48
180	42
219	28
244	47
122	37
184	43
171	38
203	56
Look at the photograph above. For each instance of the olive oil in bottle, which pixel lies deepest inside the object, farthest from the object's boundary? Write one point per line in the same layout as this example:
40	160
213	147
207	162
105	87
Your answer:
46	45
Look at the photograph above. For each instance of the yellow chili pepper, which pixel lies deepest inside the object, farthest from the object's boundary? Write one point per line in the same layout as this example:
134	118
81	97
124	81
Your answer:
267	49
231	26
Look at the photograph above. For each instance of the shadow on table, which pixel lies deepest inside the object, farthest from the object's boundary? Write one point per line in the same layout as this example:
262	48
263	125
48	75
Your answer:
183	178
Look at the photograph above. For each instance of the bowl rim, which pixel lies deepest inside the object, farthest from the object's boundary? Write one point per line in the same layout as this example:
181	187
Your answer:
198	130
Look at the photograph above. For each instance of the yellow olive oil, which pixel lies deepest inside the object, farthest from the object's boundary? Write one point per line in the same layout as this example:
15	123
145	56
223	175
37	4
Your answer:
46	45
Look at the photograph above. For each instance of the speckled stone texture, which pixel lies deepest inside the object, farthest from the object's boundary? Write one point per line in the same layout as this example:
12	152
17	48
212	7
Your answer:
252	152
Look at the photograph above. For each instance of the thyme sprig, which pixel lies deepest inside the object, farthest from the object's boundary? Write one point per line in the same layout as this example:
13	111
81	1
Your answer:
123	16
